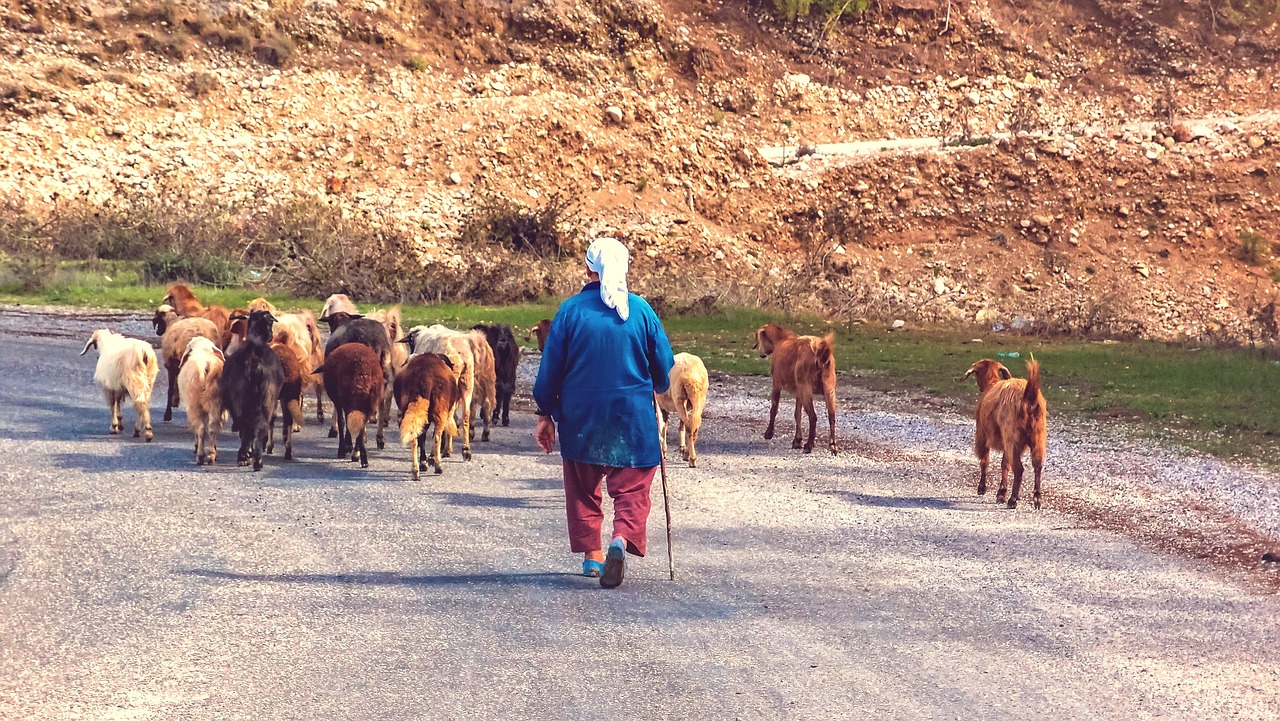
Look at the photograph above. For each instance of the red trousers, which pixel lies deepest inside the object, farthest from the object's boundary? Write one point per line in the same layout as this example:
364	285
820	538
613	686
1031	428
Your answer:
629	489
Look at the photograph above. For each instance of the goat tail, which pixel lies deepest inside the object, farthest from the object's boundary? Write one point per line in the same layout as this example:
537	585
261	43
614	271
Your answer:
451	425
415	420
1031	394
825	350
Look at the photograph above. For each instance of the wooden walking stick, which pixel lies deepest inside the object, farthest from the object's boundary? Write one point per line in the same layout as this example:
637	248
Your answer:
666	506
666	497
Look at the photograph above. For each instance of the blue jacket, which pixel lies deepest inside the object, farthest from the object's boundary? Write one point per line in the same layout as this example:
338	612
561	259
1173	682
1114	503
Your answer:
598	377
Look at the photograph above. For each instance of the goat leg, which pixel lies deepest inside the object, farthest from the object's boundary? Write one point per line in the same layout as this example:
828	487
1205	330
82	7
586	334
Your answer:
1004	477
141	426
1017	479
812	413
796	442
984	457
259	440
172	399
773	412
830	395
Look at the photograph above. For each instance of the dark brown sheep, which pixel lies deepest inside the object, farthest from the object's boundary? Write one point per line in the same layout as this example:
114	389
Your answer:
291	389
353	379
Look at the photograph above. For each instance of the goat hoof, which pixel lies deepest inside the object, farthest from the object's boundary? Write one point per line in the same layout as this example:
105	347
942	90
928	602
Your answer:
439	470
149	437
768	435
296	428
382	443
982	490
242	461
1037	504
364	464
333	433
422	465
808	449
693	462
506	422
1011	504
168	416
484	438
835	451
1000	496
466	455
288	454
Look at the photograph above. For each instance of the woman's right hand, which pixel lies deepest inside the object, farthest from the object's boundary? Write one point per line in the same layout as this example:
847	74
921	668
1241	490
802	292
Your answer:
545	434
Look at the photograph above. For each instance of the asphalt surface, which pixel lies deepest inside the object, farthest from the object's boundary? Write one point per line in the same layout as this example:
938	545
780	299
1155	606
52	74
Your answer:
134	585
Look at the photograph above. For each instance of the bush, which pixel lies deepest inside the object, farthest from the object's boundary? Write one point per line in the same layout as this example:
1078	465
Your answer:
167	267
415	64
1254	249
551	230
832	9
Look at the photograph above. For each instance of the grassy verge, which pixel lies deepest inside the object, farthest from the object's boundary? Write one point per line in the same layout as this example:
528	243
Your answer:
1219	401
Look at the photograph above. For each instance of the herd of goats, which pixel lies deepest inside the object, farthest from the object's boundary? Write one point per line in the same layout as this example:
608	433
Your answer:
255	364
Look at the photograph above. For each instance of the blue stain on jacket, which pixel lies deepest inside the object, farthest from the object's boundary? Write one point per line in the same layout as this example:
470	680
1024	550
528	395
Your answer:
598	377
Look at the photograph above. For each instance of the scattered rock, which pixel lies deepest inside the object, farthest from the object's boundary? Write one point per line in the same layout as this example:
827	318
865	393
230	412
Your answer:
614	114
455	178
898	324
1141	269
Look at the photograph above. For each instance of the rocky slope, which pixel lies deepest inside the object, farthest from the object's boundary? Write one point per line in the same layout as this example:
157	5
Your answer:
1103	161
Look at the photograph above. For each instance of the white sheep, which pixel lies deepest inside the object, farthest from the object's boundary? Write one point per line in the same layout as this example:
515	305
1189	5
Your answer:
126	368
457	347
687	397
200	380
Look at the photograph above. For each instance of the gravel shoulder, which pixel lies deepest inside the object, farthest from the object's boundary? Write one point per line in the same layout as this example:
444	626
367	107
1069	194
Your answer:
872	584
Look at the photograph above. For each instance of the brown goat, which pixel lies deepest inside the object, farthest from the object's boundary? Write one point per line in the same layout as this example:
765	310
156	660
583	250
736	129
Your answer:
540	332
354	380
802	366
426	392
291	389
987	372
188	306
1010	417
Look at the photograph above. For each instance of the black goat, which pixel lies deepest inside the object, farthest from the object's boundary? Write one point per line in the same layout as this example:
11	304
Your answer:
355	328
506	357
251	380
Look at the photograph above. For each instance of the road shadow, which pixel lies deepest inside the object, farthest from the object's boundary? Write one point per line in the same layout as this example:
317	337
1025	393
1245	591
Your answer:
476	499
392	578
904	502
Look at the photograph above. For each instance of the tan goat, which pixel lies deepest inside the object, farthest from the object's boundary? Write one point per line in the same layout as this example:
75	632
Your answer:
200	377
1011	418
803	366
686	397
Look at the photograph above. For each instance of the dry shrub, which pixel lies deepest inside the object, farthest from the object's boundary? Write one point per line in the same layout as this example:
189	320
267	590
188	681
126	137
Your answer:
200	84
549	231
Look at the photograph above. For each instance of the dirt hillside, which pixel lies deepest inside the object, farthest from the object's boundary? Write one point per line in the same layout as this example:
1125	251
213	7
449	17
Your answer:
1107	167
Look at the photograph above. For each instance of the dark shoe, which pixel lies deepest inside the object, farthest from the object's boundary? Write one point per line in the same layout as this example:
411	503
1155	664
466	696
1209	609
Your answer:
615	561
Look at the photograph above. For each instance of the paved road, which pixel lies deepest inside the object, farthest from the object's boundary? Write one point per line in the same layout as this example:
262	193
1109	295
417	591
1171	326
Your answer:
134	585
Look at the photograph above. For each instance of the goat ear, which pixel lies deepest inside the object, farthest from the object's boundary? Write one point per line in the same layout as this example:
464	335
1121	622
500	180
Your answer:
407	340
93	343
218	352
446	360
353	316
1004	373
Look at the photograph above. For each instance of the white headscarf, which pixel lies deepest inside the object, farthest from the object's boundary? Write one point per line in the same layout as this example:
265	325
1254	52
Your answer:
610	259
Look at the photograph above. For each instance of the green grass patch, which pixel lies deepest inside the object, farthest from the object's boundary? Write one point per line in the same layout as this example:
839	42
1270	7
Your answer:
1218	401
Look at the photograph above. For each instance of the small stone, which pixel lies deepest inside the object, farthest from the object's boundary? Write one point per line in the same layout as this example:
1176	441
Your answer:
1256	141
1044	221
614	114
1144	233
1123	211
1141	269
861	187
906	194
959	82
455	178
899	324
974	98
1025	223
939	286
70	110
